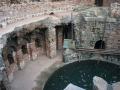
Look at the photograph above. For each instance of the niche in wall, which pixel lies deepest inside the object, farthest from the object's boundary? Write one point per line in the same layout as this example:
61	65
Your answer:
38	42
24	49
10	58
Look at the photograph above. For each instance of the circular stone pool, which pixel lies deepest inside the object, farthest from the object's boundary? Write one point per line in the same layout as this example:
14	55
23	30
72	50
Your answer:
82	73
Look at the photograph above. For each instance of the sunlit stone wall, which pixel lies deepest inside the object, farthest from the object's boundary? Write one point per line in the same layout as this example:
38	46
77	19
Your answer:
94	24
115	10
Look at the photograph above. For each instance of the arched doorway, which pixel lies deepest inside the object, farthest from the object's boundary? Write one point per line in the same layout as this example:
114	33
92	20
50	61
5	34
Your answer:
24	49
99	2
100	45
38	43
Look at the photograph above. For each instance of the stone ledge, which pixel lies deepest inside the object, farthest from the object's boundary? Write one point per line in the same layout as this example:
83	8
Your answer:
43	77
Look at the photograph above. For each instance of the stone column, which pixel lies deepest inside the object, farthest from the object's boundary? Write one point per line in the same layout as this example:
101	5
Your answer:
20	59
51	42
32	51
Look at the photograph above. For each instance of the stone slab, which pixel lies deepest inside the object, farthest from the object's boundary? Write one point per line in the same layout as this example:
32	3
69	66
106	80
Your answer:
73	87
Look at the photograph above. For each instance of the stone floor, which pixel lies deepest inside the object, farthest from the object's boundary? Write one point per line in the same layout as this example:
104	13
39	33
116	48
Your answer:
26	78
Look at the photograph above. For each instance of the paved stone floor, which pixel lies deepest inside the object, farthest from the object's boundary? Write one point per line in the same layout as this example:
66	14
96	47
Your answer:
25	79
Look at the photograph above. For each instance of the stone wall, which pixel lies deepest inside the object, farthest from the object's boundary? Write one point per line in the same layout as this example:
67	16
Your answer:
33	49
109	2
52	42
18	12
93	25
90	36
113	41
115	10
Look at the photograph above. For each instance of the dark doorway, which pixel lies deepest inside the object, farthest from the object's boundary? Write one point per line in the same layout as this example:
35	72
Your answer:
40	39
99	2
67	31
10	58
38	42
24	49
100	45
59	37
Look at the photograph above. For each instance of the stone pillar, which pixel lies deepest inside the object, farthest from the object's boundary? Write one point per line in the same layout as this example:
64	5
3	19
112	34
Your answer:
51	42
29	52
20	59
32	50
26	56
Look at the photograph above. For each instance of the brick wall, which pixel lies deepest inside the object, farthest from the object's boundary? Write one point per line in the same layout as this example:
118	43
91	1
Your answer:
108	2
113	41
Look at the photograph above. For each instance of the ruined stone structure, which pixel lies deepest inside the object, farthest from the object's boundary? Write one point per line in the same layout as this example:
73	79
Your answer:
37	35
29	30
96	35
28	43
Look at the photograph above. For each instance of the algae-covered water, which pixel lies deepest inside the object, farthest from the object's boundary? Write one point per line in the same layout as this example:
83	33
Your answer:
82	73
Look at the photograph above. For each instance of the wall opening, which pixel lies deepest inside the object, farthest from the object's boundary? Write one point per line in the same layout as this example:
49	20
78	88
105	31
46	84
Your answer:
67	31
99	45
59	37
10	58
38	42
27	37
99	2
40	39
24	49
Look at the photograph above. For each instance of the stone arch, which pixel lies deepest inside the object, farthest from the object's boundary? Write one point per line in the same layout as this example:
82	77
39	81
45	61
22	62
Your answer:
100	44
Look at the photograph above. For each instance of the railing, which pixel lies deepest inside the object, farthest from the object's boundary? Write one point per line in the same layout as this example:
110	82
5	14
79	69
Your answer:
17	12
111	56
101	51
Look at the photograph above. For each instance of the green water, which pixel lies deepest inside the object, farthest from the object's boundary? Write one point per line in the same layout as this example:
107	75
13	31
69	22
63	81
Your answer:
81	74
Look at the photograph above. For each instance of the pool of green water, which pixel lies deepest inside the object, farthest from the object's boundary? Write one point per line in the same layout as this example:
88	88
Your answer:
82	73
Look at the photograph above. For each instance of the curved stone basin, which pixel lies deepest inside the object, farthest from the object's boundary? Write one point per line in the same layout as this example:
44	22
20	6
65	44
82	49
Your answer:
82	73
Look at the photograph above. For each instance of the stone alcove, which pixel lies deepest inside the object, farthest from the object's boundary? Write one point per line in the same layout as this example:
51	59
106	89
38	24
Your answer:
100	44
